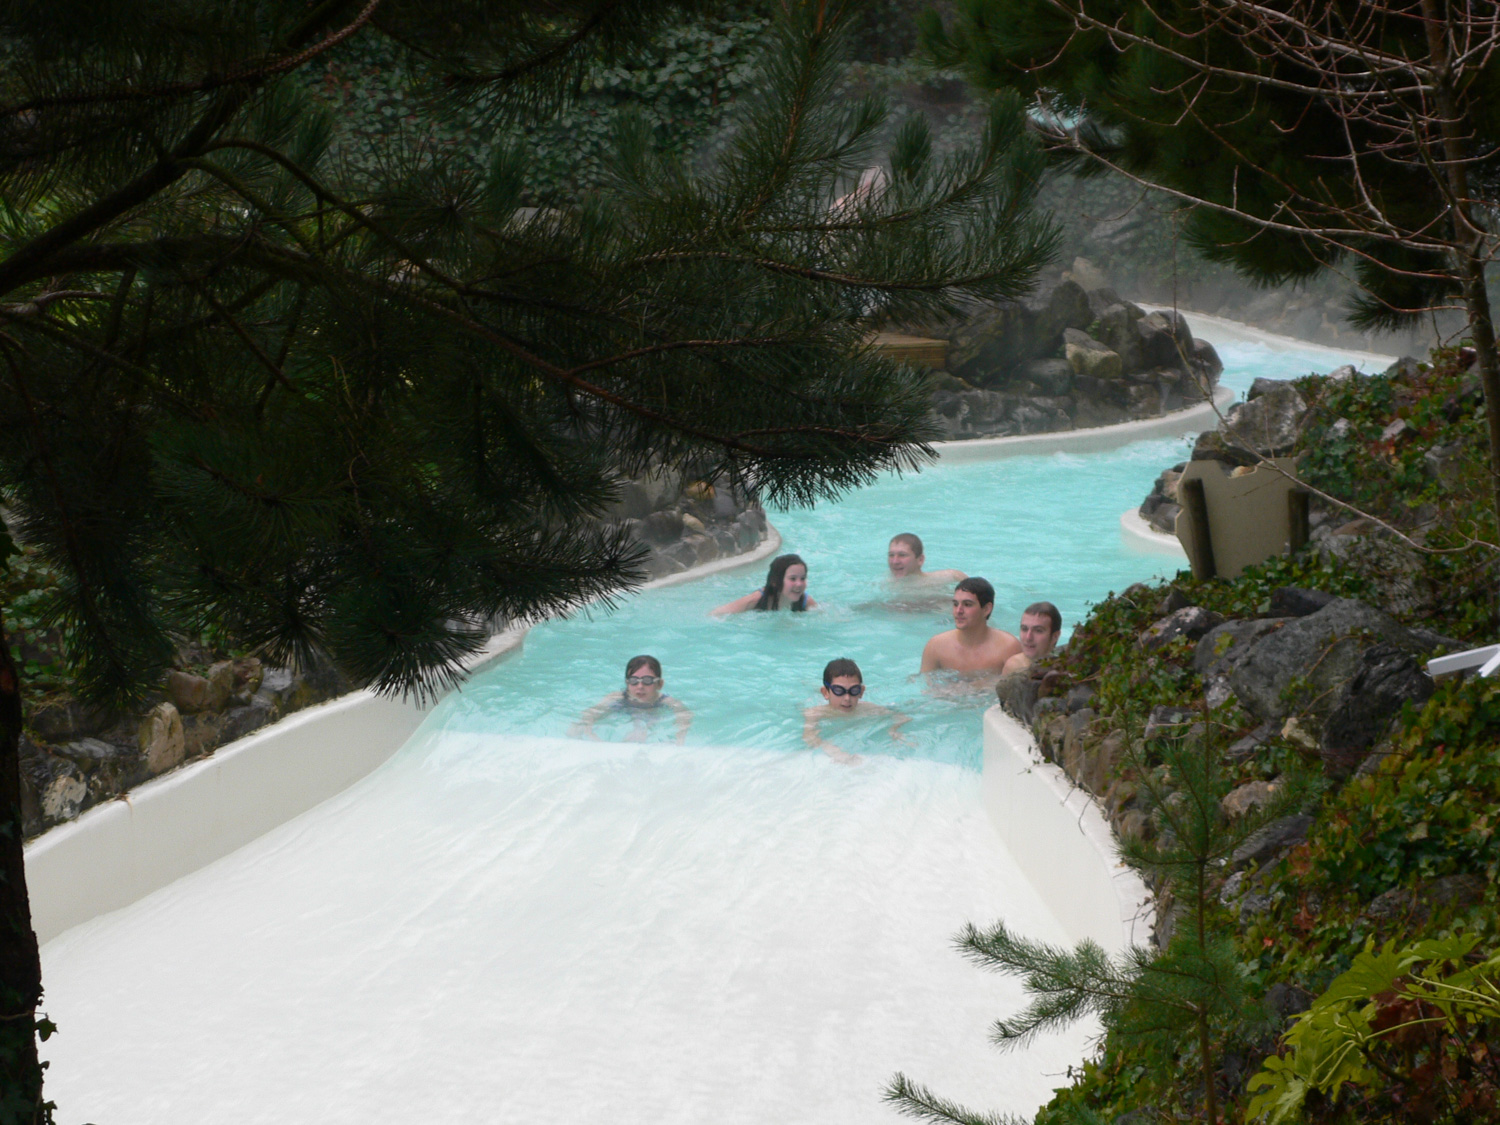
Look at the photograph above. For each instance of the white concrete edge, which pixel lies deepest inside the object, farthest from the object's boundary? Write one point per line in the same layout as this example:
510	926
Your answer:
1092	439
1139	533
1061	840
1218	329
122	850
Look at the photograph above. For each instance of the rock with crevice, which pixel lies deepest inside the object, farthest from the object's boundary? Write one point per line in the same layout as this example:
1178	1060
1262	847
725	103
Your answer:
1271	841
1303	663
161	739
1191	621
1388	678
1269	424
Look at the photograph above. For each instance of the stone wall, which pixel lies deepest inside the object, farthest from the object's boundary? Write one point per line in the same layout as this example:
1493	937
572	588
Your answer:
686	523
1067	359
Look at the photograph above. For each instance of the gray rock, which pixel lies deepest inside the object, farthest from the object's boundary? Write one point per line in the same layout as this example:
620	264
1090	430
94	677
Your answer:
1051	376
1244	799
57	790
1207	360
1433	641
1294	601
1272	840
1321	650
260	712
89	752
1263	386
1156	345
1213	446
1388	678
663	527
1270	424
1404	368
1174	600
1089	357
1079	697
188	693
1417	904
1228	642
1242	748
1067	307
67	719
1116	330
1191	622
1165	720
161	739
1103	297
1444	464
1018	694
1287	1000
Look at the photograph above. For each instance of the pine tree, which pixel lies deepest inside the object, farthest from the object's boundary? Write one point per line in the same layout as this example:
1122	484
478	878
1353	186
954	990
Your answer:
363	409
1177	1000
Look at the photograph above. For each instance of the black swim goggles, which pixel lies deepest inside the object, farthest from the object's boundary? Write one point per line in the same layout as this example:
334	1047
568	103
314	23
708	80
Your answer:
643	681
839	689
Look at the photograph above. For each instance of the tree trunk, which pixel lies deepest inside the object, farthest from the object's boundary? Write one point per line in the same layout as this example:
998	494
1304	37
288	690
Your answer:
1469	236
20	964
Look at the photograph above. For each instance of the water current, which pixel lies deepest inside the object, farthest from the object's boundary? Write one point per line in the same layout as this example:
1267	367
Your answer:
504	924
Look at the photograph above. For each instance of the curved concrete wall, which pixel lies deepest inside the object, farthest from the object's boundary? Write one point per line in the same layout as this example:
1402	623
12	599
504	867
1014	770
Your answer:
117	853
1061	840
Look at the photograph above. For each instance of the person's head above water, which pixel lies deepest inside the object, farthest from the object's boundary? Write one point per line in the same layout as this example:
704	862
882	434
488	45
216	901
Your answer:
842	684
973	599
643	680
1041	624
785	581
904	556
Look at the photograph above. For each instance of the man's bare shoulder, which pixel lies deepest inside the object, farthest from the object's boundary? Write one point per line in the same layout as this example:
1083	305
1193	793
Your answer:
946	575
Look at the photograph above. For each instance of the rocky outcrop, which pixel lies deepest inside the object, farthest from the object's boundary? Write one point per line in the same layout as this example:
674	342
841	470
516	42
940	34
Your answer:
1068	359
74	757
686	523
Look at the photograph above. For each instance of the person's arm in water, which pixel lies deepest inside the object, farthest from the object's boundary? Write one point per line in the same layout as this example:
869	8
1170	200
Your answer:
739	605
584	727
930	661
811	719
1017	663
684	717
898	719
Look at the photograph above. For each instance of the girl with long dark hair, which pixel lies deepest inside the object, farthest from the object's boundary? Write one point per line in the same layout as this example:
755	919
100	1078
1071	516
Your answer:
785	588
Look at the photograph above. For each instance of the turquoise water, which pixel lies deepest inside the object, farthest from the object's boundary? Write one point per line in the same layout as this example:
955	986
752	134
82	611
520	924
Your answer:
1038	527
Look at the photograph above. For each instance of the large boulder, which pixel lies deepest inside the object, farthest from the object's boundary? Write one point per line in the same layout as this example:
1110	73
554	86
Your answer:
1269	424
1305	662
1388	678
1116	329
1191	621
1089	357
1049	376
1207	360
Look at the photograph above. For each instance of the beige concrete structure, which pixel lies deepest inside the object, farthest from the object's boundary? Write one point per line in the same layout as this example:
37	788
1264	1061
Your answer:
1247	513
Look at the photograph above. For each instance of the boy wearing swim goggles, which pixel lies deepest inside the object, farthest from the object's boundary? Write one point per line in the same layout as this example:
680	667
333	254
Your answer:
843	695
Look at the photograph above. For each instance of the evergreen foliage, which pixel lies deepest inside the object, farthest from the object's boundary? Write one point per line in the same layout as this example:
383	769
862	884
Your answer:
367	406
1180	999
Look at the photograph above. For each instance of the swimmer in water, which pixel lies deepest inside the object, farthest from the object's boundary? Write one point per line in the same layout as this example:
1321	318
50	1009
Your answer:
971	646
1041	625
843	694
785	588
904	558
642	700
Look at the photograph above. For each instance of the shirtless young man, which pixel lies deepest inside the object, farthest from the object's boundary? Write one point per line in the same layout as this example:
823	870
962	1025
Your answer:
843	691
904	557
971	647
1041	625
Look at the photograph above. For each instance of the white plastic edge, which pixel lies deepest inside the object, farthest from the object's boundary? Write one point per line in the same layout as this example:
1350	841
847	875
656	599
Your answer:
1138	533
1061	840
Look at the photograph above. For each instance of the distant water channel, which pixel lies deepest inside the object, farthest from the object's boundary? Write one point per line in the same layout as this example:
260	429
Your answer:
504	924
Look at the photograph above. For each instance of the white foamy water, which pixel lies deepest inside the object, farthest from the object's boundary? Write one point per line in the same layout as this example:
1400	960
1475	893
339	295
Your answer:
539	930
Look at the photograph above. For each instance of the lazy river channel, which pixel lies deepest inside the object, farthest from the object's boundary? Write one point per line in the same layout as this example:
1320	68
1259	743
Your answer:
503	924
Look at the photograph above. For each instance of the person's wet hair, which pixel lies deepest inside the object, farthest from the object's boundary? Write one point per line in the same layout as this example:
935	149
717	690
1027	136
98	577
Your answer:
979	588
636	663
912	541
1047	610
843	666
770	595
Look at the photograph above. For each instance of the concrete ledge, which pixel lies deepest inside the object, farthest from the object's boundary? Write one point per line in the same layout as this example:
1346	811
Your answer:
1091	440
1140	535
1061	841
